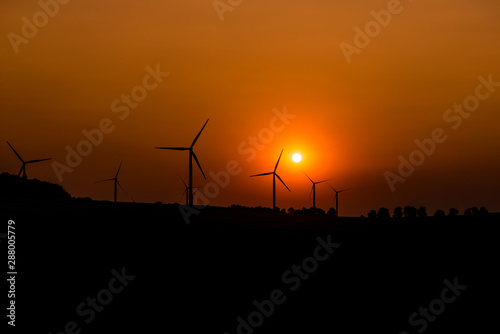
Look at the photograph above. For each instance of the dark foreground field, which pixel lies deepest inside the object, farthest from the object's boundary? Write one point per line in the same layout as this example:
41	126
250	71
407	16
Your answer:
232	271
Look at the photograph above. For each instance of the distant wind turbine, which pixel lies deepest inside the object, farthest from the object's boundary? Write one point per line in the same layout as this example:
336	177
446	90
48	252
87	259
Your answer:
117	183
191	156
186	191
337	198
274	174
23	167
313	190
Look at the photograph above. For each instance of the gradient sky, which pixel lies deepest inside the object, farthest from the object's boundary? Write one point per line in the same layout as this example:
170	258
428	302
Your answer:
352	120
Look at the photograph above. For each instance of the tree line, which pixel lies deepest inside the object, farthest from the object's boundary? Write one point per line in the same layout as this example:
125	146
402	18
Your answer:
411	212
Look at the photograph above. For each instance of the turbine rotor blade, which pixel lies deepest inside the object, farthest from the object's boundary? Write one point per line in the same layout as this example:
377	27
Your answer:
33	161
173	148
118	183
185	185
105	180
270	173
199	133
15	152
119	169
341	191
198	163
276	167
332	187
308	177
124	191
310	194
322	181
283	182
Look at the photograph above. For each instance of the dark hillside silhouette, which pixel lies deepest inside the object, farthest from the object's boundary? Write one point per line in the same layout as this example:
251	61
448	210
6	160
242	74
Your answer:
16	187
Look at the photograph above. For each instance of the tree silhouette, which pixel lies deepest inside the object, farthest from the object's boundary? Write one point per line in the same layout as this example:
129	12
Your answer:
472	211
383	213
398	212
439	213
453	212
421	212
319	212
483	211
410	212
331	212
372	214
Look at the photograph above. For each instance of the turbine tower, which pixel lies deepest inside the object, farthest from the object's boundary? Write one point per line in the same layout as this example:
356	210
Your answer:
313	190
191	156
23	167
337	199
117	183
274	174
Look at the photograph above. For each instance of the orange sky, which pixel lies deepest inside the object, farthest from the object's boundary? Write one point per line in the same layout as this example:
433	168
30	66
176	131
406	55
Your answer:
353	120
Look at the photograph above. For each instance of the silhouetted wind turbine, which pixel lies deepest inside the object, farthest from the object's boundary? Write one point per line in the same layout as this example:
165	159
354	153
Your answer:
191	156
23	167
337	199
274	174
117	183
314	189
186	191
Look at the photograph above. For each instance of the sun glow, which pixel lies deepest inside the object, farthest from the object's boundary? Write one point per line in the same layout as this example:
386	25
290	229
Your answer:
297	157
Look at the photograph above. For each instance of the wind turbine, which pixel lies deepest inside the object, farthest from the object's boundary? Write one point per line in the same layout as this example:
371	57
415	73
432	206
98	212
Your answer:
23	167
186	191
337	199
117	183
313	190
274	174
191	156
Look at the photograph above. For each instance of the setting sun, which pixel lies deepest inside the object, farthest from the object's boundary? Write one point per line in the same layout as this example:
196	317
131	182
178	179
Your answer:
297	157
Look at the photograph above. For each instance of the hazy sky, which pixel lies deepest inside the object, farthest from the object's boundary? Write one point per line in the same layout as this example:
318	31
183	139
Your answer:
355	113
